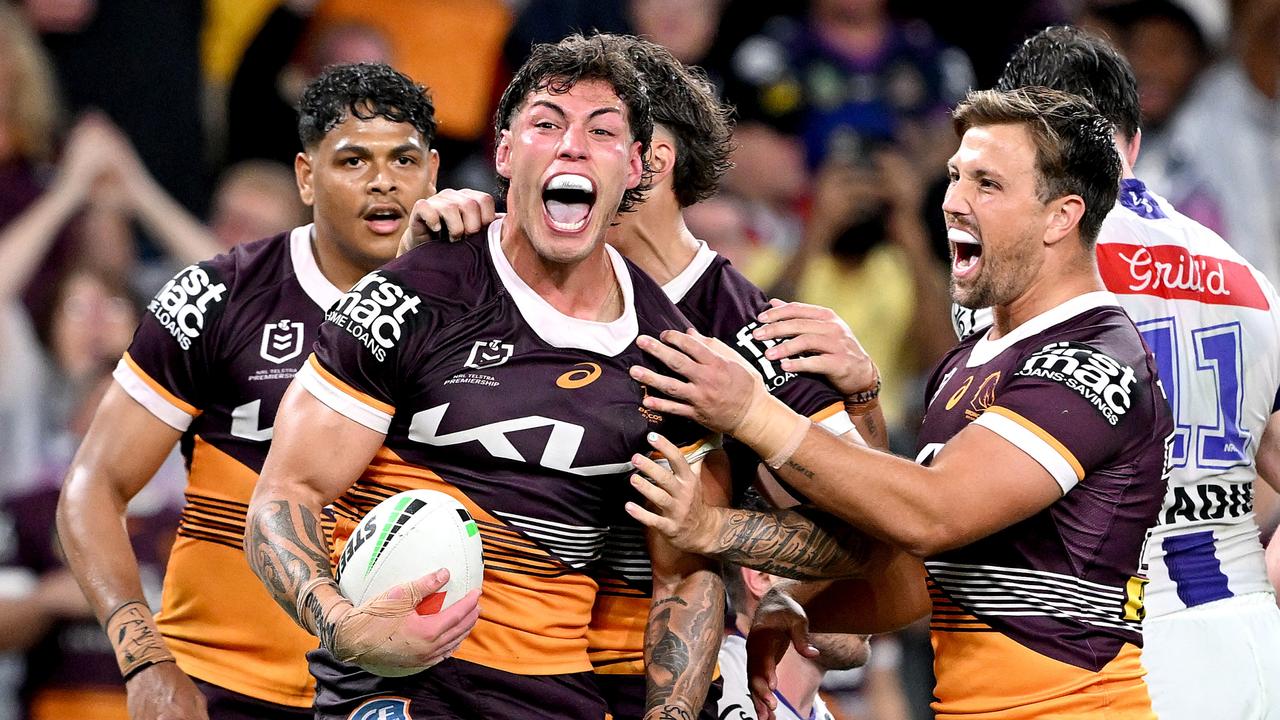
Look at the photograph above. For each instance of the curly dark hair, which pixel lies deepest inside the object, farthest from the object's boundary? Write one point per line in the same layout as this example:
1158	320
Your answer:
556	68
685	103
1075	149
1077	61
365	91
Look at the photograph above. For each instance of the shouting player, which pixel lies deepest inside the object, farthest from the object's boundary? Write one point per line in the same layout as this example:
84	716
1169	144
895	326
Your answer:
209	365
1042	452
1212	321
688	156
500	377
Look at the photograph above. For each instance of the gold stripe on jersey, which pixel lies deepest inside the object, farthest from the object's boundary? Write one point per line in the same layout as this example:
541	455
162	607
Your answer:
534	611
160	390
217	617
616	636
337	383
827	412
984	675
1039	432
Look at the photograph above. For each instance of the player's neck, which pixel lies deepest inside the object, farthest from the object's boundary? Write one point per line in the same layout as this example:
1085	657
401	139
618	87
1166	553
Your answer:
1046	292
337	267
656	238
587	289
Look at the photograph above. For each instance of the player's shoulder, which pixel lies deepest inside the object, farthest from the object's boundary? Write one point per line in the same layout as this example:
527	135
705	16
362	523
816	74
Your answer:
654	309
455	274
714	295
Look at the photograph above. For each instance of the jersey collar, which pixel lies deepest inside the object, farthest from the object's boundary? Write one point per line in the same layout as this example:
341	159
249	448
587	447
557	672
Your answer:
313	282
682	283
985	350
558	329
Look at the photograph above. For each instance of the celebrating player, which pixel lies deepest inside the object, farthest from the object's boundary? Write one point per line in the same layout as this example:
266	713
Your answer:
1211	621
209	365
495	369
1042	450
688	156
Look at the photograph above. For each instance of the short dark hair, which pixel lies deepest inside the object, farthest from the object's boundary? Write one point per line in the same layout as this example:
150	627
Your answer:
556	68
686	104
364	91
1075	151
1077	61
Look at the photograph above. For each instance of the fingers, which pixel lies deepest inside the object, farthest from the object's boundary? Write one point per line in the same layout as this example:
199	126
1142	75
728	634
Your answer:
452	213
422	587
691	343
793	327
674	457
780	310
657	495
808	343
664	384
648	518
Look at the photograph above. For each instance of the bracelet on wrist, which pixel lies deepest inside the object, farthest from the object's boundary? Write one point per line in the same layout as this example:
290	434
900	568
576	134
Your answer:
865	396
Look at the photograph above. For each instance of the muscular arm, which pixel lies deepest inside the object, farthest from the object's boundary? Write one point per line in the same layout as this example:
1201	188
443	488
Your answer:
798	543
316	454
686	621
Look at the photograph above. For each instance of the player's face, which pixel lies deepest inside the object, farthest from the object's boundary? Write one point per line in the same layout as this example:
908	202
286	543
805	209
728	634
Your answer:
362	180
569	157
994	217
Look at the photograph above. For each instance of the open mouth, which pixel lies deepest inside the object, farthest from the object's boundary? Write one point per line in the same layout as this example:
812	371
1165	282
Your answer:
384	219
567	200
966	251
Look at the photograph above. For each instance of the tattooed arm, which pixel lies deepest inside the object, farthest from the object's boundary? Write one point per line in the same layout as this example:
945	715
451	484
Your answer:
686	619
316	454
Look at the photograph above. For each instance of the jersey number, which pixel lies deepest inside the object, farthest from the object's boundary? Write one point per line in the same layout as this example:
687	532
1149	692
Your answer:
1221	443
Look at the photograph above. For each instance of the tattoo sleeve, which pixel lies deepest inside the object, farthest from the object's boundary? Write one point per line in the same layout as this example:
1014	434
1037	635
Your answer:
682	640
286	548
799	543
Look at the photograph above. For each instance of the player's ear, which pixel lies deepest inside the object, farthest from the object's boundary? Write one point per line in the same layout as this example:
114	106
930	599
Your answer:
302	173
433	164
1065	214
502	155
756	582
662	157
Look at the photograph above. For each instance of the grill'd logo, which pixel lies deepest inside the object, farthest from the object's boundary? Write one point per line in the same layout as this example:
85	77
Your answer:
1106	383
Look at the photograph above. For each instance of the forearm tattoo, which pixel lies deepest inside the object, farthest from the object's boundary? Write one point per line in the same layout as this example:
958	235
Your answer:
802	544
682	641
286	548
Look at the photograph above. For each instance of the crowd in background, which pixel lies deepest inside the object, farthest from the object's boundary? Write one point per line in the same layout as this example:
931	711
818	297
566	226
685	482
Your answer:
138	136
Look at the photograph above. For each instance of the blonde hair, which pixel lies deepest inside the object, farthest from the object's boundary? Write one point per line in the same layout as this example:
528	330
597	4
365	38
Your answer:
33	108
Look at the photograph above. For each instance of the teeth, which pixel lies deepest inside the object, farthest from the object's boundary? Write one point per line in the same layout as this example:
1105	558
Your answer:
571	182
960	236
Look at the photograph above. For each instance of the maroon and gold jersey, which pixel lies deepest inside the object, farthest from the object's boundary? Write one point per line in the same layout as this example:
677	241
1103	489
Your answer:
719	302
527	416
1043	617
215	351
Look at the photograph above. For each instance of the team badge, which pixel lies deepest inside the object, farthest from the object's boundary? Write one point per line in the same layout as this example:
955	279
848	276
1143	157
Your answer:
385	708
282	341
489	353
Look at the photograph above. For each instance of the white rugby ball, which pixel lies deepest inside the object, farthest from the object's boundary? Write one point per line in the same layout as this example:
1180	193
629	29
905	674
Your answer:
405	537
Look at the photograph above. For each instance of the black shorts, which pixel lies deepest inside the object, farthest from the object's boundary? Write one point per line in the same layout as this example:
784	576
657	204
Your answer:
453	689
625	695
225	704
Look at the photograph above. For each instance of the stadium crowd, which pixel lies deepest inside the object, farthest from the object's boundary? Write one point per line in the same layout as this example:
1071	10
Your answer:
139	137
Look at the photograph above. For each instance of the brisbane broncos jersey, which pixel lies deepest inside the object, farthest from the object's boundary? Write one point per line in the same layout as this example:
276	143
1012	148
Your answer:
527	416
1213	324
1042	618
212	357
719	302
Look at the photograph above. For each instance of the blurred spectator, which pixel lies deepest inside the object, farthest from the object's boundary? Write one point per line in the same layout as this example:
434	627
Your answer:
849	79
798	677
454	47
1226	132
866	255
262	119
255	199
723	223
138	61
873	691
229	27
1168	52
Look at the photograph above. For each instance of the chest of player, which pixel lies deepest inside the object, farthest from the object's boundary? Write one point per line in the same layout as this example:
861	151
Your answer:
496	391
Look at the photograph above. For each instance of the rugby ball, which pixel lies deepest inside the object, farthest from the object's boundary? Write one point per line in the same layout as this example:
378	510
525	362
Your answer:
405	537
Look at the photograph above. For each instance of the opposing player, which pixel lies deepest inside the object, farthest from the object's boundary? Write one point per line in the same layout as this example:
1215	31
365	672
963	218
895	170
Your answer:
1213	322
498	374
1041	460
688	155
209	365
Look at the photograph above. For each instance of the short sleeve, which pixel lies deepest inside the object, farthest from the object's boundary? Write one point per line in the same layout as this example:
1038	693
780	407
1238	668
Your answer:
166	366
1070	406
368	339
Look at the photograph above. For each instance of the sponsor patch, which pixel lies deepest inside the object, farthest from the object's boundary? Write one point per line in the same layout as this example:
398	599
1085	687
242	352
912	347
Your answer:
186	304
384	708
489	353
1099	378
375	311
282	341
753	350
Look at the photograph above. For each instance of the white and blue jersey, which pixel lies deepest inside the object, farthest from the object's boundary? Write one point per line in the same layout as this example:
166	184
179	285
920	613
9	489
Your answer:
1213	323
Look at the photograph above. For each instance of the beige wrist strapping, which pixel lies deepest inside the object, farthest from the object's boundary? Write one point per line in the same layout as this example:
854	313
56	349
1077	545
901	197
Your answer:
135	638
770	428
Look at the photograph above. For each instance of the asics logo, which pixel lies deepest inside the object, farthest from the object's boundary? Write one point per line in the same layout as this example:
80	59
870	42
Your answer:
581	378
